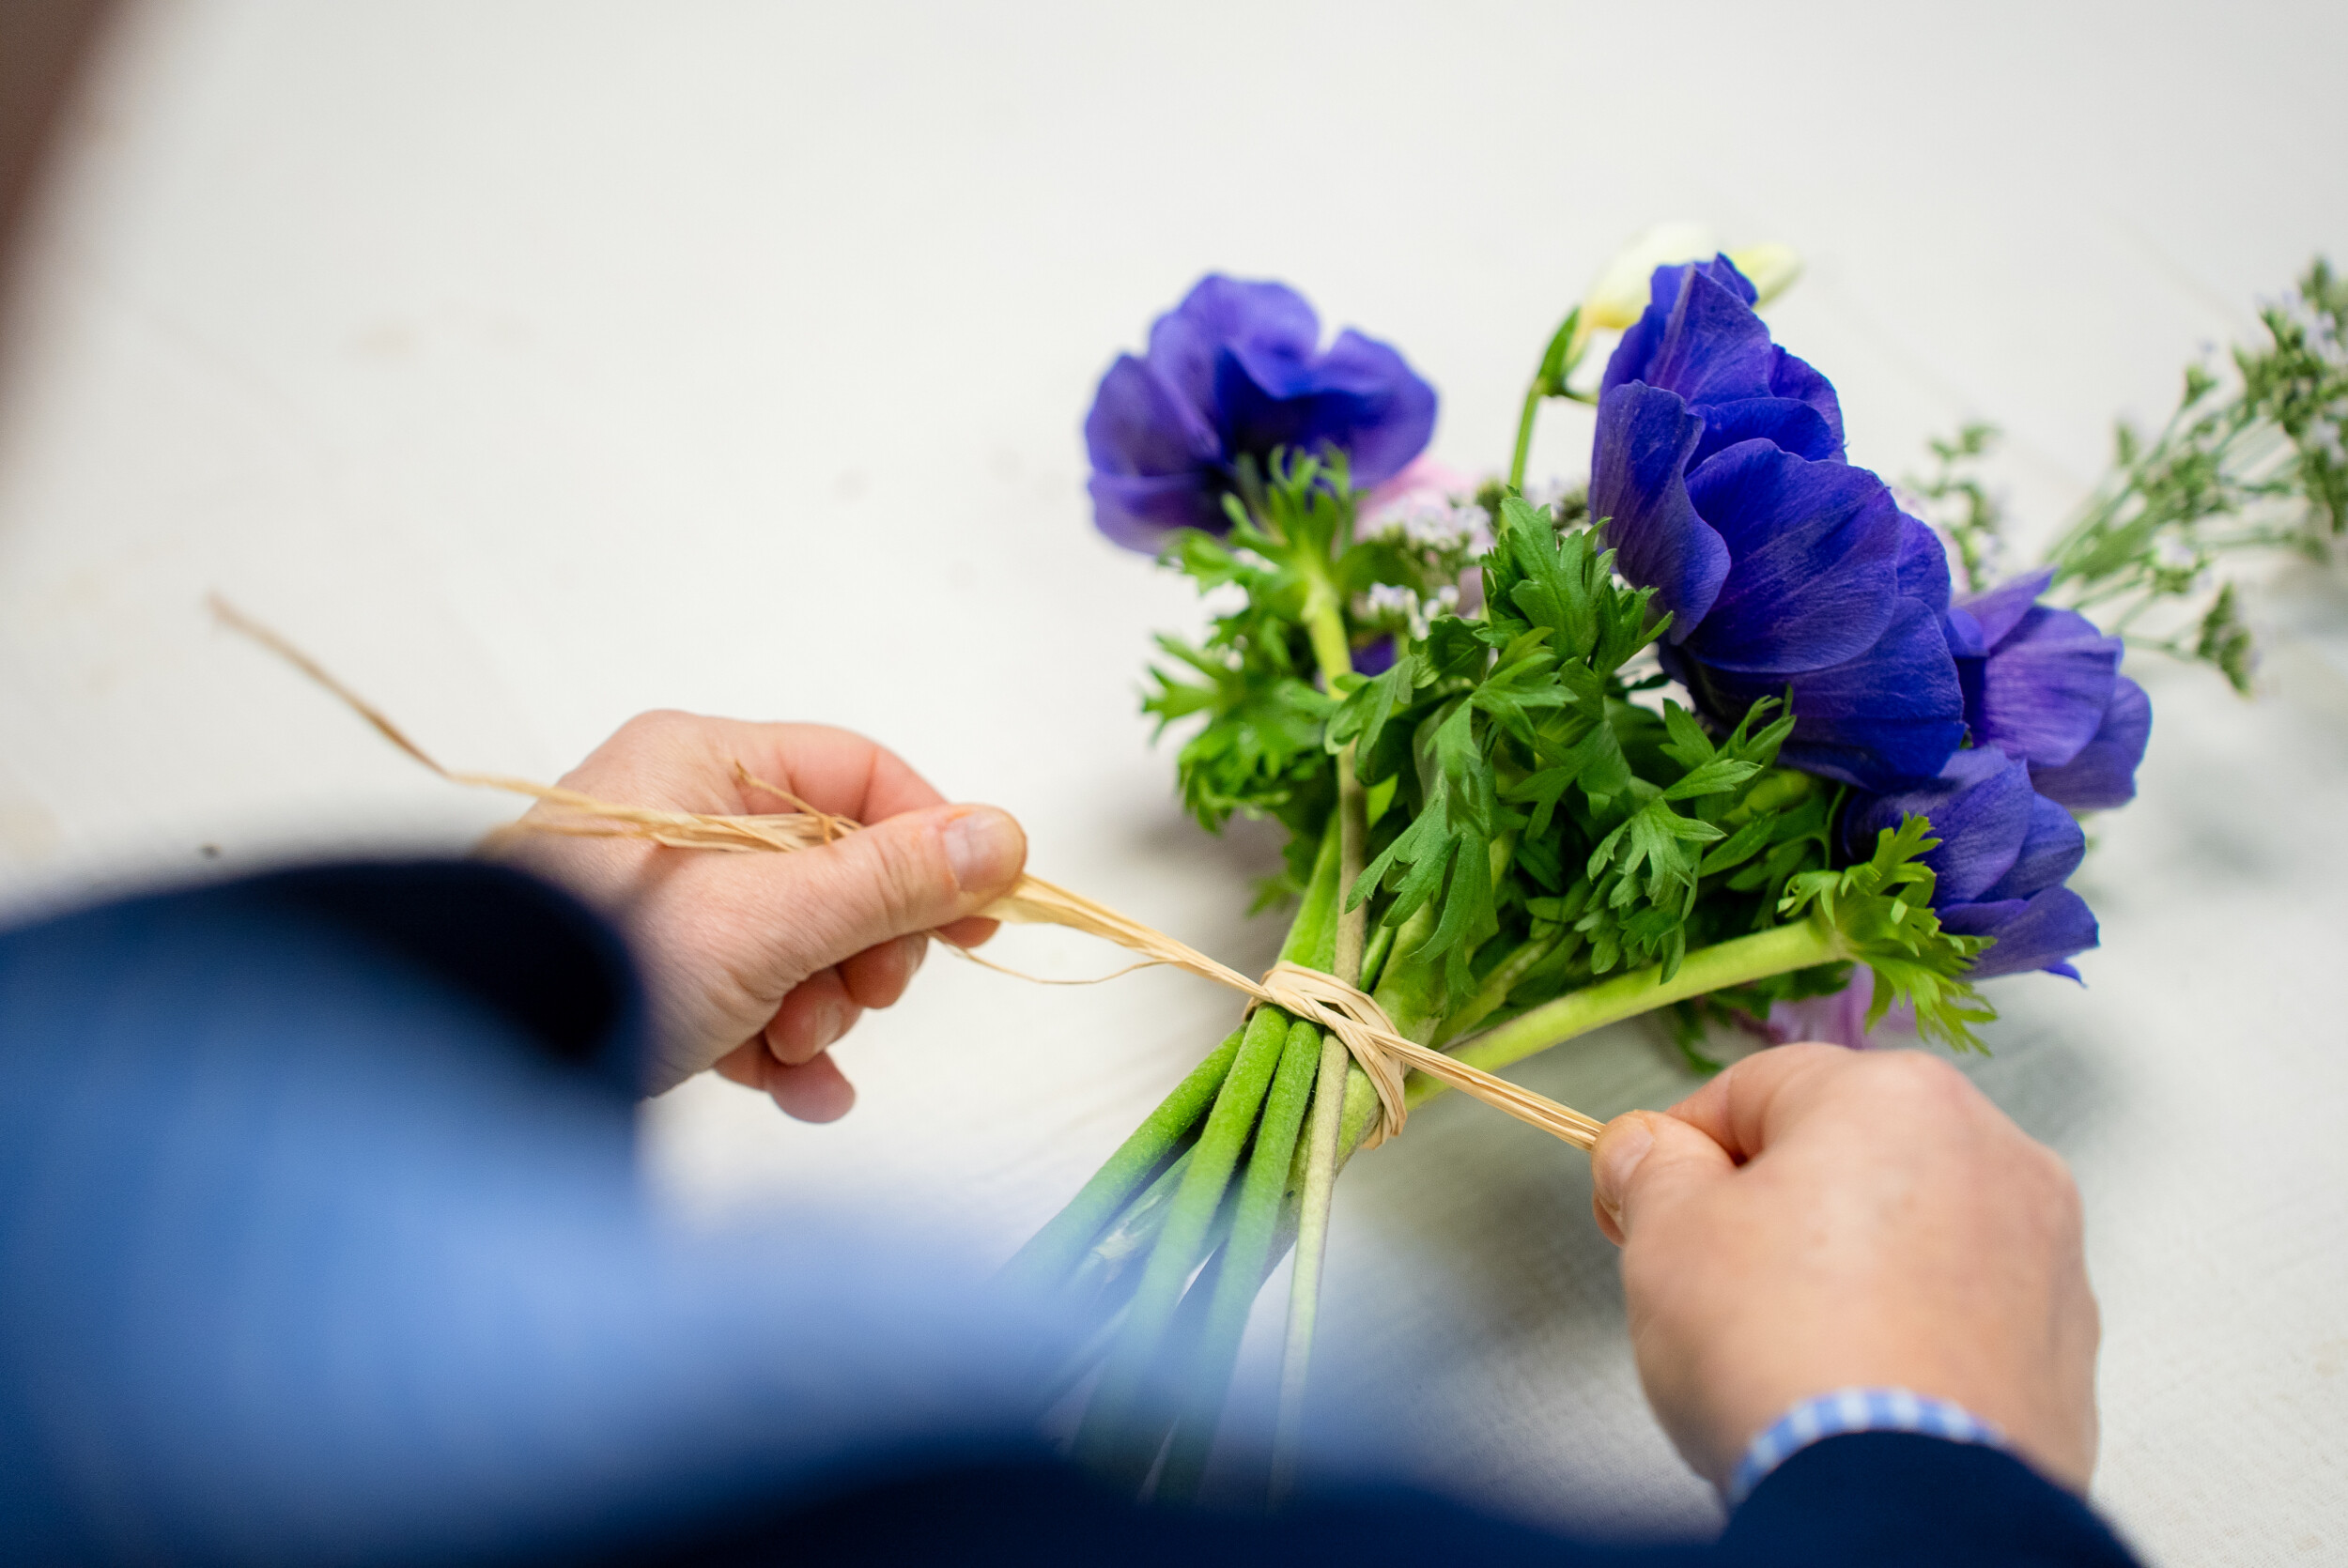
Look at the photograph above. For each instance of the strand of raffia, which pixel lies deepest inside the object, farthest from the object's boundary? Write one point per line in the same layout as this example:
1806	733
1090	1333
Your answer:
1384	1053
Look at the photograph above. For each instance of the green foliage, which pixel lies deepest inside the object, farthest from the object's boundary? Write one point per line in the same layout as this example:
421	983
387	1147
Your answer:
1882	909
1538	819
2253	460
1555	828
1970	516
1259	750
1291	552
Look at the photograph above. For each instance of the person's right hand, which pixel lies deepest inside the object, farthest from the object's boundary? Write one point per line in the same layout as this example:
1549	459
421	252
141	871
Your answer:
1817	1219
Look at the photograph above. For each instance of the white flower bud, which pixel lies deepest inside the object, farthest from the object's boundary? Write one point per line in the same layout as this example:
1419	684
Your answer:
1770	268
1620	294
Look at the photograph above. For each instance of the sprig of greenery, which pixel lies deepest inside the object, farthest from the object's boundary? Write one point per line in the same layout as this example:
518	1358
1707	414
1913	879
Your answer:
1259	749
1969	516
1882	908
2251	460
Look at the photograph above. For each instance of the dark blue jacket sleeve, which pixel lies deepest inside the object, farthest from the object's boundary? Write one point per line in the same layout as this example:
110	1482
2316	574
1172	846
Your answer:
322	1241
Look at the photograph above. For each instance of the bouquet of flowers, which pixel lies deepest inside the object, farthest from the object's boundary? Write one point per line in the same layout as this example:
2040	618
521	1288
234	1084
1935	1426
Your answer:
1712	736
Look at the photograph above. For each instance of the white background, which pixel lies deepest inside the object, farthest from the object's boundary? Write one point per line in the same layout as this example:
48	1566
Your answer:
534	364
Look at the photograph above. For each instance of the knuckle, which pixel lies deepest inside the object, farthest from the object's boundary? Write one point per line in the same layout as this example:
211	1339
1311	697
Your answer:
911	879
1925	1084
653	725
2059	1190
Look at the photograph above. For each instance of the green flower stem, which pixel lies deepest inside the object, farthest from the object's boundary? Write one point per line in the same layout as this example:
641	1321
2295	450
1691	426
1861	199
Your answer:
1321	1170
1324	622
1242	1262
1495	989
1060	1246
1374	957
1134	1229
1524	436
1128	1441
1746	959
1313	936
1125	1382
1557	362
1116	1418
1055	1250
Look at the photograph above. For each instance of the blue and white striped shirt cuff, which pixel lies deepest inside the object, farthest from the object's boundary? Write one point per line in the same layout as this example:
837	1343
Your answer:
1832	1415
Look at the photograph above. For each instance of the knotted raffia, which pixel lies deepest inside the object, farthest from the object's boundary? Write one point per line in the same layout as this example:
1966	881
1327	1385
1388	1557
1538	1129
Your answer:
1384	1053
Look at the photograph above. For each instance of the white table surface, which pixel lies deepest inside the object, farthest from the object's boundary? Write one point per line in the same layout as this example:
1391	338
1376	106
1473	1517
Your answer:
534	364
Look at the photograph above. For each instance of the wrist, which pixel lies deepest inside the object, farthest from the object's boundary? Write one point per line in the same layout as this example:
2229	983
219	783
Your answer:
1848	1411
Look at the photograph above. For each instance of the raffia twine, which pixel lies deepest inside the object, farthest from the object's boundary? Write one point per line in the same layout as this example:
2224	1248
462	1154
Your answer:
1351	1014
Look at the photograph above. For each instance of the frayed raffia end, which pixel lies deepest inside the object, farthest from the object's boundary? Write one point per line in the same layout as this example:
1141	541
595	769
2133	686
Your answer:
1384	1053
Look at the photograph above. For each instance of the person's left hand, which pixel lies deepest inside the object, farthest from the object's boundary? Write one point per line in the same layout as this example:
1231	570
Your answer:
759	962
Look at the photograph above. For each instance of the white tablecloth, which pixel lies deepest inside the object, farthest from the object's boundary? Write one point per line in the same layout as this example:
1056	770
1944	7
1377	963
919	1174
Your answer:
539	363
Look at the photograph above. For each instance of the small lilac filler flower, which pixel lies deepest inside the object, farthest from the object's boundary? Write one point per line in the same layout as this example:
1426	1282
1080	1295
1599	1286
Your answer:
1236	371
1718	464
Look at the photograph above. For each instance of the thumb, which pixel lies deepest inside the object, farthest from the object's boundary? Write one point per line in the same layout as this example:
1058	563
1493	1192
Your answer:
911	872
1645	1160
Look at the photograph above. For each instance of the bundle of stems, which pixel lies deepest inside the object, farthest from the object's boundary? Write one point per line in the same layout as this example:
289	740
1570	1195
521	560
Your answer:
1165	1250
1168	1245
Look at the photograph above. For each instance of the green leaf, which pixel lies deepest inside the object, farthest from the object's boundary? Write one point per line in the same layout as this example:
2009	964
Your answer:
1721	775
1882	909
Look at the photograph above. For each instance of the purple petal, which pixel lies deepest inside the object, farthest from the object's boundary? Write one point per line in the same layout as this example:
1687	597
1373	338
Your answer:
1629	361
2002	605
1888	717
1780	421
1700	338
2054	924
2051	850
1964	634
1924	567
2102	774
1839	1018
1727	274
1713	348
1980	810
1793	378
1643	436
1636	351
1139	423
1814	547
1140	511
1396	415
1270	322
2045	687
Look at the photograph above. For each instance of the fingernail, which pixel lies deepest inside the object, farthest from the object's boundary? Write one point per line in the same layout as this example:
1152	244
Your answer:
1617	1162
984	847
828	1024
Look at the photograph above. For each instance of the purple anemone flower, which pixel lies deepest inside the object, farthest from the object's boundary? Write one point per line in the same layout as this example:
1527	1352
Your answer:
1237	370
1700	339
1724	490
2044	684
2004	852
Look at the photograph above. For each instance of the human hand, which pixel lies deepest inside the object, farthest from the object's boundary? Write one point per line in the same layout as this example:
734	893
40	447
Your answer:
759	962
1817	1219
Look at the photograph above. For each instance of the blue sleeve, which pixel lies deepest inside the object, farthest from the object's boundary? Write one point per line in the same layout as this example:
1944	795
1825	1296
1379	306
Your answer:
322	1241
1905	1499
